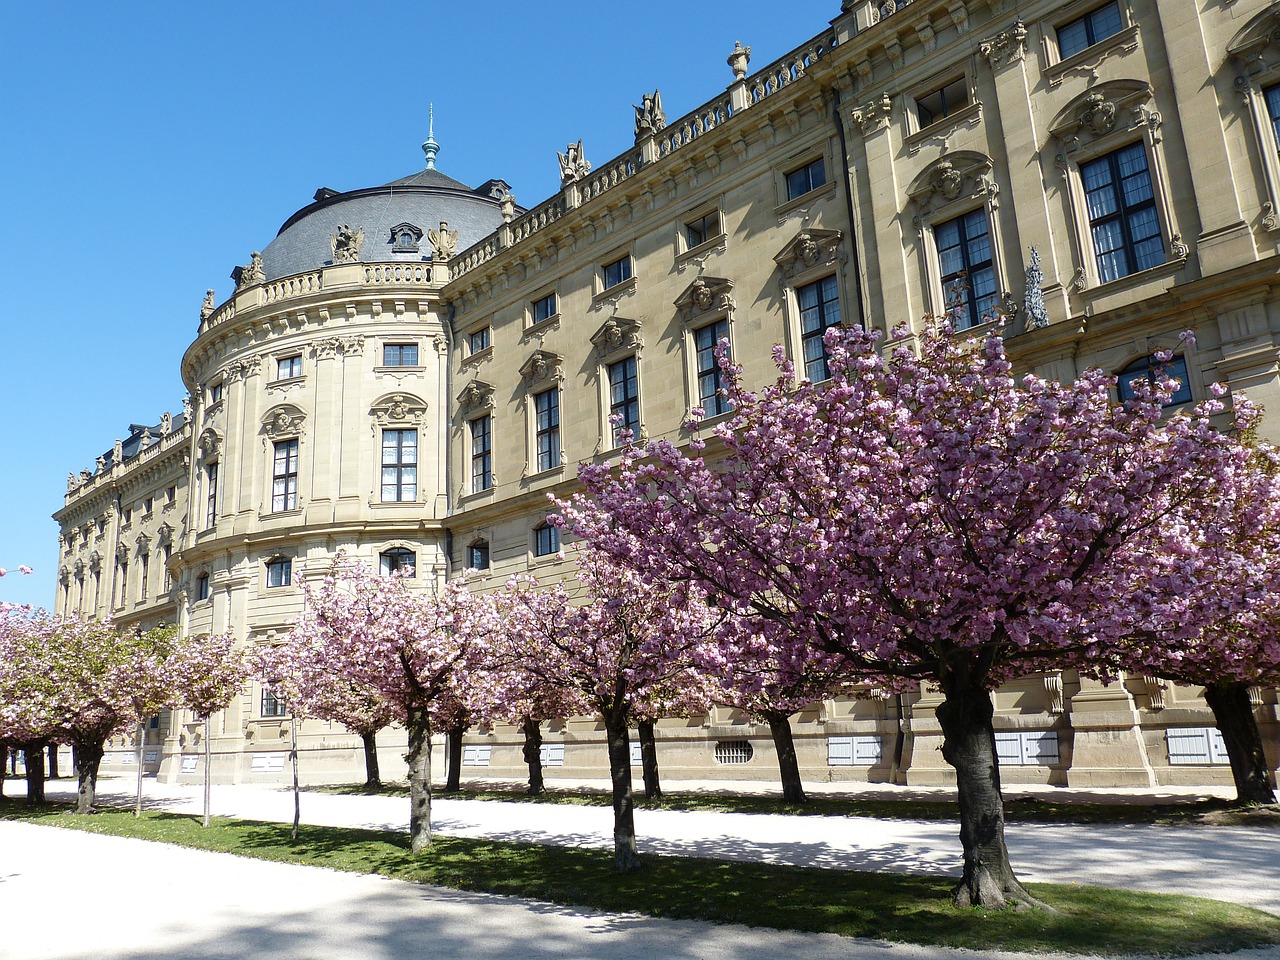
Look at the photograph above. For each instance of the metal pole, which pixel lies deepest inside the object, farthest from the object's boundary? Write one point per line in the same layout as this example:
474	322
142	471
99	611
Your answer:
297	802
207	781
137	755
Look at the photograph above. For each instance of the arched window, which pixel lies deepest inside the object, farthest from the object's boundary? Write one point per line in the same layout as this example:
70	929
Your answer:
1144	367
397	559
478	555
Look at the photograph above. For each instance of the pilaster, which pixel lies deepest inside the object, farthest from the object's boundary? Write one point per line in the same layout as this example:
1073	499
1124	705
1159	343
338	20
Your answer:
1107	745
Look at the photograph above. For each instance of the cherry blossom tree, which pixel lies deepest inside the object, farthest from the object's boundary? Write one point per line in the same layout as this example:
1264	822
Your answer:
925	516
626	643
27	715
203	674
411	647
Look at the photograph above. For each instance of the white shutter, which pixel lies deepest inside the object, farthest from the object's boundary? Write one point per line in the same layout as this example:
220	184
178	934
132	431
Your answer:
866	751
1188	745
636	759
189	764
1040	748
476	755
553	754
840	751
1009	749
1217	747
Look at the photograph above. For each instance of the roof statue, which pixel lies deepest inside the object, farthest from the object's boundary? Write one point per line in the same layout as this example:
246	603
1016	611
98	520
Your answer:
573	165
1037	315
346	244
650	118
739	59
444	242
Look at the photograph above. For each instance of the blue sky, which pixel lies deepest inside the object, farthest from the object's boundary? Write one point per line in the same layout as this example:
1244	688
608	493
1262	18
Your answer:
147	148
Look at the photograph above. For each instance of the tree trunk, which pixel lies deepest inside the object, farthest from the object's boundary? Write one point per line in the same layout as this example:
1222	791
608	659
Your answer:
419	724
4	765
625	856
34	753
53	761
139	743
293	755
88	757
1233	713
969	745
788	764
453	781
208	773
533	756
372	775
649	760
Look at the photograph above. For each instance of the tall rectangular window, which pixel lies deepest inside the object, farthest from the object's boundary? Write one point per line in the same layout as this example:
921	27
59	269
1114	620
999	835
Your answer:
399	466
809	177
97	588
215	394
289	367
705	340
399	354
1122	213
544	308
284	477
210	495
123	567
546	540
144	570
546	410
819	311
617	271
166	553
272	705
624	398
1272	96
942	102
968	274
1094	27
279	572
481	453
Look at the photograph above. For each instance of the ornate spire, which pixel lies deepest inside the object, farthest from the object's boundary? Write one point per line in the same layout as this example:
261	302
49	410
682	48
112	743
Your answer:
429	146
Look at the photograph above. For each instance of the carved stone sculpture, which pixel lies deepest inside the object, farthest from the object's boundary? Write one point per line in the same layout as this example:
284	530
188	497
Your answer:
444	242
948	179
247	276
573	165
166	424
650	118
1099	114
739	59
1037	315
346	244
207	307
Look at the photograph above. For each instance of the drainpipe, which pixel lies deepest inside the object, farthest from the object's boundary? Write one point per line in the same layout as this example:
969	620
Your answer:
447	427
848	197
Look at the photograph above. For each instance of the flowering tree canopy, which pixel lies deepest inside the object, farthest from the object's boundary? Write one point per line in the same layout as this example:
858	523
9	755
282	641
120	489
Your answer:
928	517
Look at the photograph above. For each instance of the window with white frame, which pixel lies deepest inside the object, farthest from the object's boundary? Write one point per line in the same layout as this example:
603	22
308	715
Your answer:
806	178
478	341
1196	745
710	377
544	308
481	430
546	540
399	354
144	574
279	572
397	560
1028	748
399	466
289	367
1123	222
478	555
210	495
854	751
284	476
624	398
819	304
616	271
1145	368
123	567
1094	27
546	428
968	271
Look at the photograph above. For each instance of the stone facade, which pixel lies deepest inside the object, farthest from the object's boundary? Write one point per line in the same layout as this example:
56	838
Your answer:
912	158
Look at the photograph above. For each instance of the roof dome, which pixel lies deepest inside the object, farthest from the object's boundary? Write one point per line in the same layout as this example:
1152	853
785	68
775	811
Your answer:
391	220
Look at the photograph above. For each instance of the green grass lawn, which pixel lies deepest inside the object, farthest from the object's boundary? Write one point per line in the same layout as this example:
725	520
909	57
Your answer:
1023	810
886	906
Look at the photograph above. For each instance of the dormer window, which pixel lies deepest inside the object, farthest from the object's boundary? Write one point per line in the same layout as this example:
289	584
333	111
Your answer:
405	238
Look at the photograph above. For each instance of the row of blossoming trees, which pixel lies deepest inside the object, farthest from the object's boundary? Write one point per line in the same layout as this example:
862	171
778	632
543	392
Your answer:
921	517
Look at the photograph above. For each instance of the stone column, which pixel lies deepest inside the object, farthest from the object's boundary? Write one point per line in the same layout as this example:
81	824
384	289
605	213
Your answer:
1107	747
922	762
876	184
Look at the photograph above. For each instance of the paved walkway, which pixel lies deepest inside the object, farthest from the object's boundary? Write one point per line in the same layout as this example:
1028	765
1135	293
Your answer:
67	895
1241	864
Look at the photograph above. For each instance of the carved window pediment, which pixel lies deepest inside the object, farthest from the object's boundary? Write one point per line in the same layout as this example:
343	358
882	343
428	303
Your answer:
210	444
618	333
283	420
122	552
64	575
399	410
78	566
704	295
476	395
1256	48
164	535
1118	105
143	544
542	365
808	249
95	561
954	177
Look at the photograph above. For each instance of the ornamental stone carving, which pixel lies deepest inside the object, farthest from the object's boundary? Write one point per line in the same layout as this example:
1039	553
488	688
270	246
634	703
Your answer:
399	410
873	115
573	164
164	535
210	444
739	59
444	242
283	421
703	295
144	544
95	561
1033	303
1099	113
122	553
251	274
542	365
650	117
64	575
166	424
615	334
346	244
1006	47
208	306
476	395
808	249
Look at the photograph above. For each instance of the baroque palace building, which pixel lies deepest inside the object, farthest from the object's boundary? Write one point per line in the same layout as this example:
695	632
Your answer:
406	371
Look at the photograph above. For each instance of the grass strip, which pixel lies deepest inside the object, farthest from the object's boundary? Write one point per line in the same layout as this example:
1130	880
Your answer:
1017	810
906	909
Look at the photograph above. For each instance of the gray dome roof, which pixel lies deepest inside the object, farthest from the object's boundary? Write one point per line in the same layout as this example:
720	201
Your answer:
421	200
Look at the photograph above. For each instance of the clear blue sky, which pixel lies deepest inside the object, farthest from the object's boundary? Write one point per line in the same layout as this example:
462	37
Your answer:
147	148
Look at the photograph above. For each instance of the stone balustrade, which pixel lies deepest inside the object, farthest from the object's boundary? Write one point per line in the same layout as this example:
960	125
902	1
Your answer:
691	126
118	470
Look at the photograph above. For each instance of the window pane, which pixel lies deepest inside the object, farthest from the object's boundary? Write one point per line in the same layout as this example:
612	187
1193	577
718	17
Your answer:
1072	38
